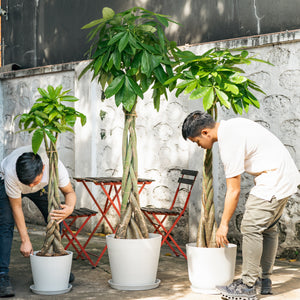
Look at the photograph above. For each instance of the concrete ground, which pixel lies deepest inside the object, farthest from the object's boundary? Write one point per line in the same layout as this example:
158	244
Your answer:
93	283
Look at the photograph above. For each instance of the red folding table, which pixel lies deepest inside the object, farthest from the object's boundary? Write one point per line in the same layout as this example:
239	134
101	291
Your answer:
111	186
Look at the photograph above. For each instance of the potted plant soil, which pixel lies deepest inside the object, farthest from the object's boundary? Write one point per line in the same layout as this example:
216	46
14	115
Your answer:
130	55
215	78
47	118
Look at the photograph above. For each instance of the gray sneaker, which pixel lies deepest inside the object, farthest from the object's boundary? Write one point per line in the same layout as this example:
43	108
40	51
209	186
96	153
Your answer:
237	291
6	289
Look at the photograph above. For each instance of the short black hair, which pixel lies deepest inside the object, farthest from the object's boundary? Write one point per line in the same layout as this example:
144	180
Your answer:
195	122
28	167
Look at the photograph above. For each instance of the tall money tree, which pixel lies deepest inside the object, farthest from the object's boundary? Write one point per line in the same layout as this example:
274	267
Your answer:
214	77
130	54
47	118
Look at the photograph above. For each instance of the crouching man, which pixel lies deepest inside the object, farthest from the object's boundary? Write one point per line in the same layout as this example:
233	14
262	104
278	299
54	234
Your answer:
246	146
24	173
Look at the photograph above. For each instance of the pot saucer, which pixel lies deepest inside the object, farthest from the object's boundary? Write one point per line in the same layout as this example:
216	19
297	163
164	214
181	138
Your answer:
134	287
32	287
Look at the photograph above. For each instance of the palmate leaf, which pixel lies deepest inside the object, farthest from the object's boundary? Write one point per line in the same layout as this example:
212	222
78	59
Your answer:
93	23
51	92
116	37
163	20
199	93
82	118
135	87
37	139
41	115
208	99
146	64
43	93
70	120
107	13
126	96
48	109
69	98
191	87
123	42
115	86
53	115
50	136
223	98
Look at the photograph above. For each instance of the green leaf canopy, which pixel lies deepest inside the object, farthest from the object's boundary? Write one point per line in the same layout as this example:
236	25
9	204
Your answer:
129	54
215	78
48	116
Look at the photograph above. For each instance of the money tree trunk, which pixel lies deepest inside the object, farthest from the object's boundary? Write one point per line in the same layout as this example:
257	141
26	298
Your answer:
206	236
52	244
132	224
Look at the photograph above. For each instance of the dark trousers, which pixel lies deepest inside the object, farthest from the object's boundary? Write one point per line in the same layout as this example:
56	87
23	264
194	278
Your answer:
39	198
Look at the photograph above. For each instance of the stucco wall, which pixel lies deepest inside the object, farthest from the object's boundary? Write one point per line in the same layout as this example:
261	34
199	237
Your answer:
17	96
96	148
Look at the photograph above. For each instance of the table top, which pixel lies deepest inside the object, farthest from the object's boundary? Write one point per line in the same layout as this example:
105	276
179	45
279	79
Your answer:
108	179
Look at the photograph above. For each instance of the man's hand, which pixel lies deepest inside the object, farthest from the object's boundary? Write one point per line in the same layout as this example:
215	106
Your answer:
26	248
60	214
231	201
221	236
66	209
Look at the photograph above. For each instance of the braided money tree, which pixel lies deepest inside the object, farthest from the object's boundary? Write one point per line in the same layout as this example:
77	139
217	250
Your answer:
130	54
47	118
215	78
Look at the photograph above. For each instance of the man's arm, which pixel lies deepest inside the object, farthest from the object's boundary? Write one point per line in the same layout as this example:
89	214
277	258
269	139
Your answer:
68	207
231	201
26	247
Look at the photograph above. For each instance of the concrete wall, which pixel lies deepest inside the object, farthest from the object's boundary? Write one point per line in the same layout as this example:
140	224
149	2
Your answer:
96	148
54	35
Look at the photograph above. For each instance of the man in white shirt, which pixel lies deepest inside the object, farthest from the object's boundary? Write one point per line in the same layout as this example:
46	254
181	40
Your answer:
246	146
24	173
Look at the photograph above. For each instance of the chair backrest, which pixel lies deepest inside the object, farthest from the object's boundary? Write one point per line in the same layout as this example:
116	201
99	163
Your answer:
188	177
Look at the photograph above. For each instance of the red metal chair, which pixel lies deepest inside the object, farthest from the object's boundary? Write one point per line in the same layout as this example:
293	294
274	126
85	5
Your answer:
160	215
71	235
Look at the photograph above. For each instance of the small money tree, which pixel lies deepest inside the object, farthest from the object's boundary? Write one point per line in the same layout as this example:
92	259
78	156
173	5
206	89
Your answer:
215	78
47	118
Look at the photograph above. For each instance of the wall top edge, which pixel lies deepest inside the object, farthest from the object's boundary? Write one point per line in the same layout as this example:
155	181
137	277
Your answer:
39	70
248	42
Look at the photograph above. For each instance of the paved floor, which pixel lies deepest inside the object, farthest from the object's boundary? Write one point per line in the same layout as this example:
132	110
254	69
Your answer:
93	283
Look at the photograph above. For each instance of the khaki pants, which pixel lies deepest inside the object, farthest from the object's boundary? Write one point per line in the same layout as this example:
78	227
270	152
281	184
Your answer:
260	237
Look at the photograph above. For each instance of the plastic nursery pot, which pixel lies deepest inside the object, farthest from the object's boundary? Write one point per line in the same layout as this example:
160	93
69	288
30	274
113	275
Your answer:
209	267
51	274
134	262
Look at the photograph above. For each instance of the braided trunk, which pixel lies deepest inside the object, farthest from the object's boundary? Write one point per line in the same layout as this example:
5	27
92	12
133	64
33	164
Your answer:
52	244
207	227
206	236
132	224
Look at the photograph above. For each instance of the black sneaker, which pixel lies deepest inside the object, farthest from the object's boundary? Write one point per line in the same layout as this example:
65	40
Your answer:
6	289
266	286
237	291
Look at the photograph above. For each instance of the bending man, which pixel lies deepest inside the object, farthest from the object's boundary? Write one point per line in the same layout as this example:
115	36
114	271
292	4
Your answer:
246	146
24	173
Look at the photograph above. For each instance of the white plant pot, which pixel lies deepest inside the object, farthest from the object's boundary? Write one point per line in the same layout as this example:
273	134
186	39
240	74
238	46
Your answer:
51	274
134	262
210	267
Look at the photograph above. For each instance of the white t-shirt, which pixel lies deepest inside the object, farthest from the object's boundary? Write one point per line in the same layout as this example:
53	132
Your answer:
246	146
14	188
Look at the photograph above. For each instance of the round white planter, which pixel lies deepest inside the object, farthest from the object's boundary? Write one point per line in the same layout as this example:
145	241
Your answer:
134	262
209	267
51	274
